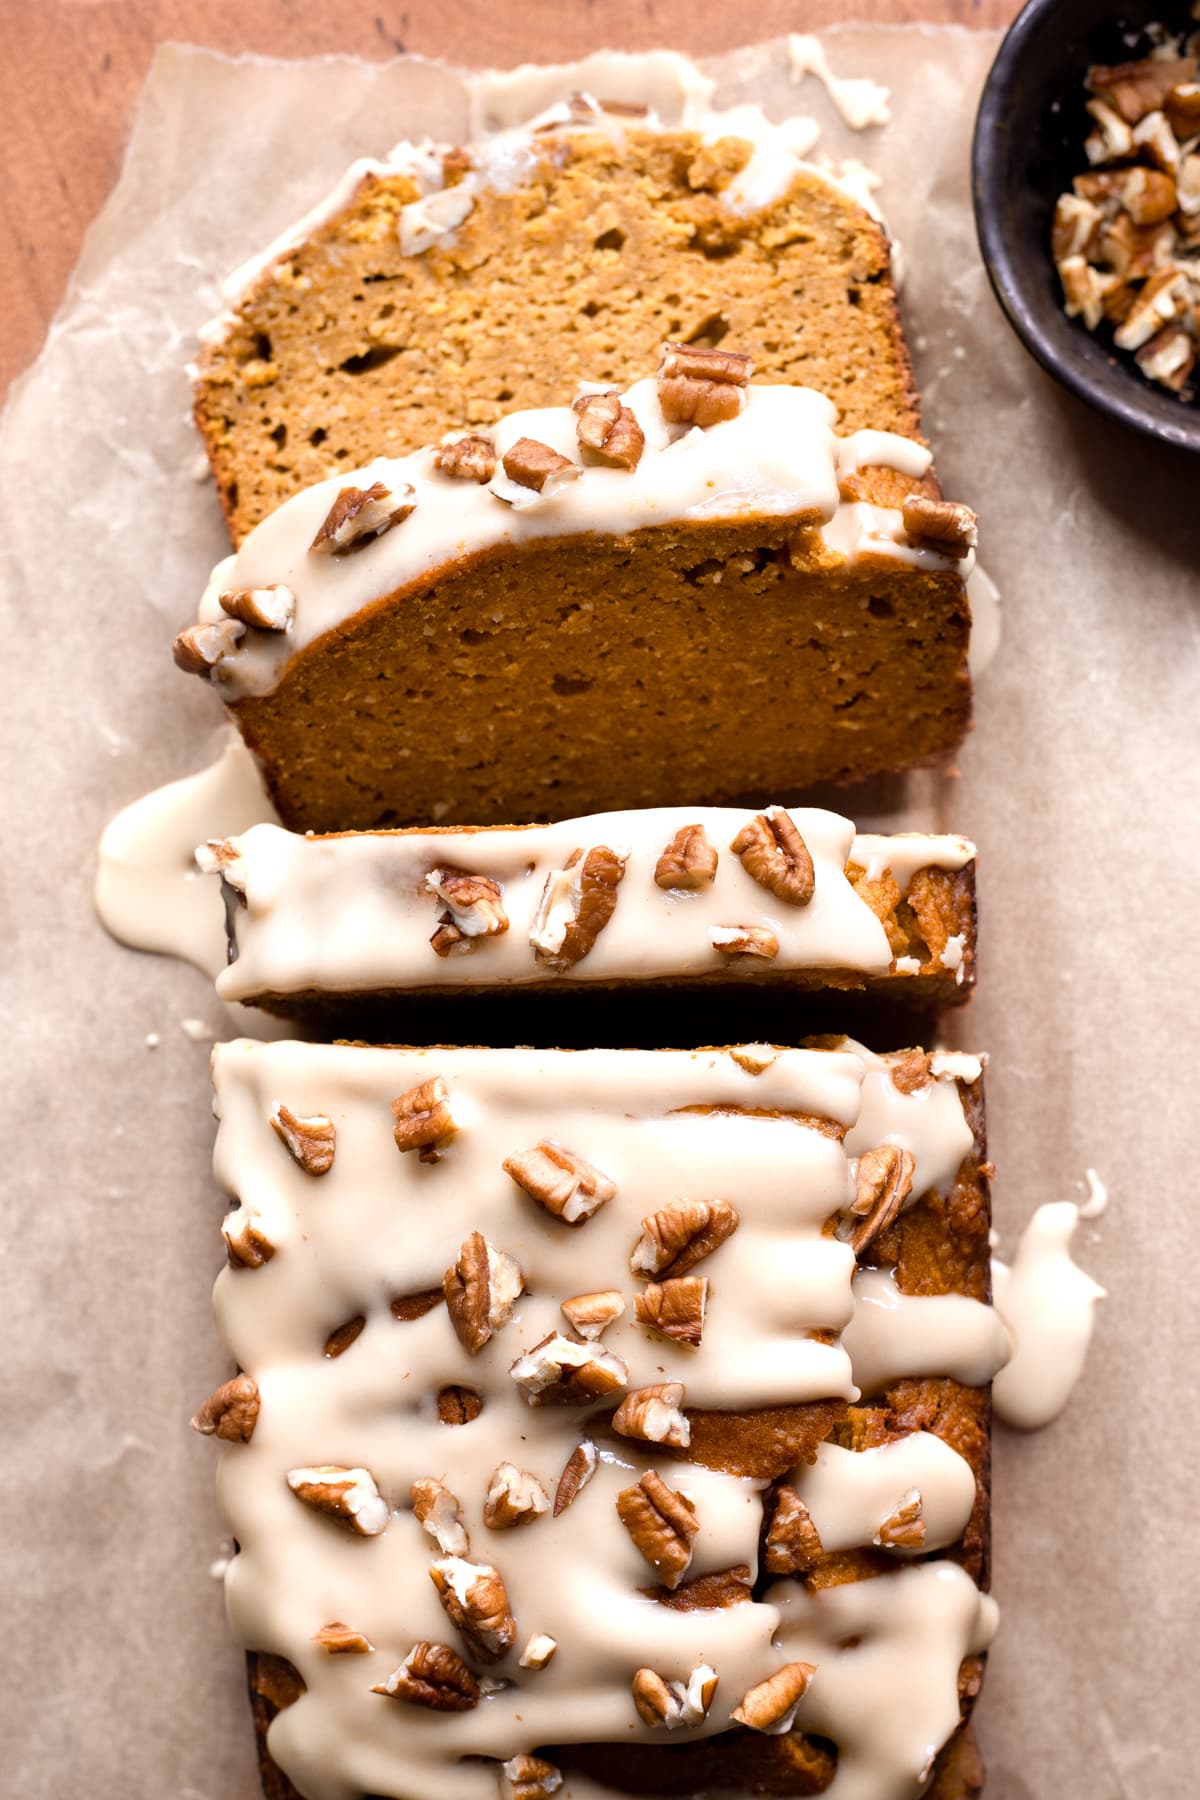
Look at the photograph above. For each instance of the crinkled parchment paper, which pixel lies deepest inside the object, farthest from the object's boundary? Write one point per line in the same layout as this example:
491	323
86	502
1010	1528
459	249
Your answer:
1080	785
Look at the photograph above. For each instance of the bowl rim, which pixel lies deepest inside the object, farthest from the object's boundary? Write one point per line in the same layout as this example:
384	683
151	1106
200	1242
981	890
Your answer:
987	152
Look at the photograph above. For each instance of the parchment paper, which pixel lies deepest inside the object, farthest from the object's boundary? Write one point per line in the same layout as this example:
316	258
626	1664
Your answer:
1080	786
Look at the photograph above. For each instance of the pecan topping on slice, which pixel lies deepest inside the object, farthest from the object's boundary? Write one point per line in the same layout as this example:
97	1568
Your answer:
609	431
407	1307
701	387
567	1185
476	1603
680	1235
912	1071
437	1510
347	1494
481	1290
201	649
514	1497
662	1523
655	1415
338	1639
941	525
674	1703
904	1527
270	608
221	856
470	458
771	850
675	1308
882	1185
561	1371
360	515
246	1244
535	465
310	1141
458	1405
230	1413
424	1121
538	1651
756	1059
435	1676
770	1705
745	940
592	1314
579	1469
474	909
689	860
340	1340
576	904
530	1777
793	1543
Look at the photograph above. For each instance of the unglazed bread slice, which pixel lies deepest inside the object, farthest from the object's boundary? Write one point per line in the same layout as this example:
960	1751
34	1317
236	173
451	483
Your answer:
408	1311
605	605
438	290
341	925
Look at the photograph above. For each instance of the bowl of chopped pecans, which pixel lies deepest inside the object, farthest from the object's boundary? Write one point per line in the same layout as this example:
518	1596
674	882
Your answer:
1086	185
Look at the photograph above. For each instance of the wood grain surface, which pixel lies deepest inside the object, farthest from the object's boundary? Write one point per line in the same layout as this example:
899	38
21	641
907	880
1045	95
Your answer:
71	71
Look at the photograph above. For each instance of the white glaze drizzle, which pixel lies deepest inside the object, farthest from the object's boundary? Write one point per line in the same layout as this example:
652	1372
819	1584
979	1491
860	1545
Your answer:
860	101
893	1335
1048	1305
850	1493
929	1121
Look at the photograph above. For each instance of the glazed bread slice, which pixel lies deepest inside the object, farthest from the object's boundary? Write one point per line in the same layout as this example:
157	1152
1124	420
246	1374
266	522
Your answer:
439	291
338	931
606	604
551	1378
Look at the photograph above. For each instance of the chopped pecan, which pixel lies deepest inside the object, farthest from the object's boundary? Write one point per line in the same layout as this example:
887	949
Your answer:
337	1639
270	608
538	1651
654	1414
201	649
771	849
911	1071
1182	109
435	1676
744	940
246	1243
591	1314
560	1371
424	1121
530	1777
481	1290
1149	195
1162	299
697	386
535	465
438	1511
1076	227
1169	357
1134	89
706	1593
671	1704
514	1497
310	1141
1112	137
882	1184
340	1340
474	909
221	856
568	1186
469	458
678	1236
675	1308
347	1494
941	525
407	1307
756	1059
579	1469
662	1523
360	515
230	1413
458	1405
1085	290
793	1543
904	1527
476	1603
770	1705
577	903
1154	138
689	860
609	430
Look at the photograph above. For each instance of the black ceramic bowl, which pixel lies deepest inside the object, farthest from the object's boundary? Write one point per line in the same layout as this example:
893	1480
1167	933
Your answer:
1028	144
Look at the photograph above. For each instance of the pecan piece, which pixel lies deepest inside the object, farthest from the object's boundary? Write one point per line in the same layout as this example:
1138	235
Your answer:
469	458
701	387
458	1405
904	1527
435	1676
609	431
530	1777
568	1186
1169	357
481	1290
514	1497
309	1141
221	856
793	1543
538	1651
246	1244
882	1184
689	860
1161	300
662	1523
770	1705
476	1603
580	1467
912	1071
577	903
675	1308
424	1121
770	848
655	1415
561	1371
340	1339
941	525
474	909
756	1059
745	940
230	1413
270	608
535	465
347	1494
591	1314
437	1511
360	515
407	1307
201	649
1134	89
671	1704
680	1235
337	1639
